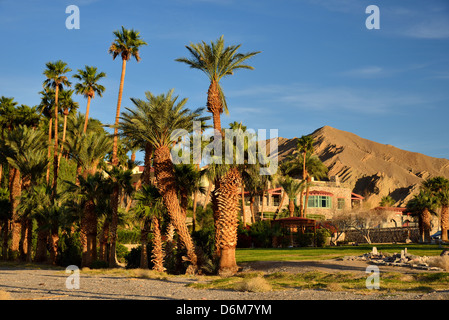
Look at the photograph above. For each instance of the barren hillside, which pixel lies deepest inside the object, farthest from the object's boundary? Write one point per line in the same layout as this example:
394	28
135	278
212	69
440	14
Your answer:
372	169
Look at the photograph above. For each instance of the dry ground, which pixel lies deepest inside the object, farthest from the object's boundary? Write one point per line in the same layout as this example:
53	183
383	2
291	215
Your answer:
31	283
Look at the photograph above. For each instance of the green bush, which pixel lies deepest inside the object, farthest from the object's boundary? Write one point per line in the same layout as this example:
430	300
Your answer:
261	234
205	238
69	250
305	239
99	264
132	258
321	237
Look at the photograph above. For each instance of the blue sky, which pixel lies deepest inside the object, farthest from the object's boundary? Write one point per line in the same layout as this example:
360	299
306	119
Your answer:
319	63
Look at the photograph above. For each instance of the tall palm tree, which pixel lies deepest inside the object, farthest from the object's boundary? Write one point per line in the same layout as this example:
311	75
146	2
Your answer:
155	120
218	61
439	188
126	44
56	79
89	86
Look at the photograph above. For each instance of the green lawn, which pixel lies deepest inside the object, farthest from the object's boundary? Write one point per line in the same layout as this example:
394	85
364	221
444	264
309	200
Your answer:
270	254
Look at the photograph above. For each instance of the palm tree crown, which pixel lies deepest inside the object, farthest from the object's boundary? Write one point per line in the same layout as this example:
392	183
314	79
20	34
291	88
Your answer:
217	61
126	44
89	78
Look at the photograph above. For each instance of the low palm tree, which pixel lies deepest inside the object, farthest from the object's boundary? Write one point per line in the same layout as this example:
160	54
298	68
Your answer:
439	188
89	86
386	201
56	79
423	205
154	121
292	188
148	211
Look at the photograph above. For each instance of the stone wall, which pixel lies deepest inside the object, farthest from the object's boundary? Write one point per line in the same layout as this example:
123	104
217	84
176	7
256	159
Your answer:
384	235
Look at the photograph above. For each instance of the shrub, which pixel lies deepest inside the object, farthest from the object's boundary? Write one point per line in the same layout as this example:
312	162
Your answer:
261	234
205	238
305	239
257	284
99	264
69	250
322	236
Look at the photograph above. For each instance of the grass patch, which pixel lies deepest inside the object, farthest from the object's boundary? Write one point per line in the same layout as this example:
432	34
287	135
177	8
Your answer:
309	253
390	282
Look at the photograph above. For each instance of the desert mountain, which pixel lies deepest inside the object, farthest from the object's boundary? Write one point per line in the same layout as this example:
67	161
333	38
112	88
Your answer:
371	169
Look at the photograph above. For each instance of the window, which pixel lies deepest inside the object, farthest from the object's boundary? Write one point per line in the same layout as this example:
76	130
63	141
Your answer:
319	202
276	200
341	203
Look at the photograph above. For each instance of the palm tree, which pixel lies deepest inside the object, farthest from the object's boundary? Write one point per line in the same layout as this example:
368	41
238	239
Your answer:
126	44
88	151
423	206
439	188
56	79
89	86
24	150
315	169
292	188
217	61
386	201
304	147
154	121
148	212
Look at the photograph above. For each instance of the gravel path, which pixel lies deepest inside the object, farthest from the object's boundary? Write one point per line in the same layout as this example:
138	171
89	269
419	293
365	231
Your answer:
38	284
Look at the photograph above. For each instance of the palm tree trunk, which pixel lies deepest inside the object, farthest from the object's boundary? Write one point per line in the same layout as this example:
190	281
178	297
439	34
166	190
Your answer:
291	207
444	222
41	245
104	241
50	123
166	184
54	239
208	195
55	150
251	208
245	217
426	225
91	221
15	192
144	243
87	113
227	201
5	230
116	192
280	205
306	201
158	251
117	115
